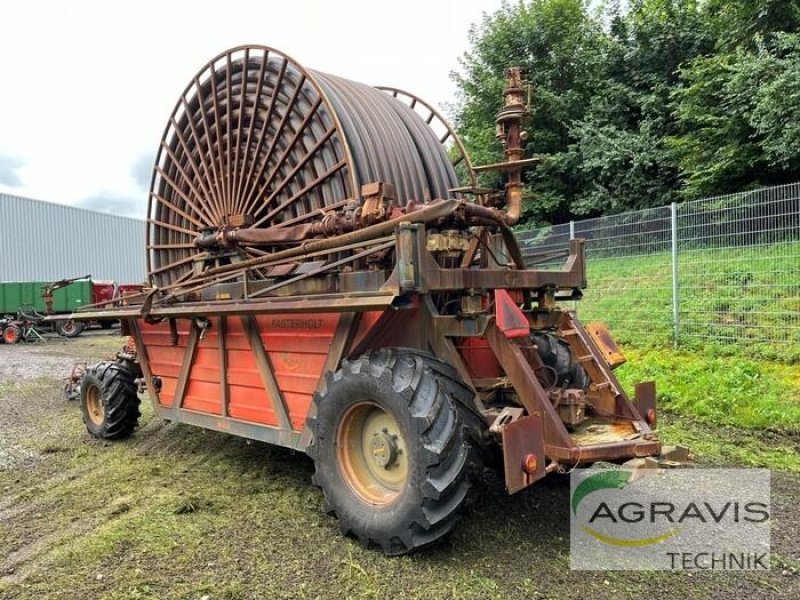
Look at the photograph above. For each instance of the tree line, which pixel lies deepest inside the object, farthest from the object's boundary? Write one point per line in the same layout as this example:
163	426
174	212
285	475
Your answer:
639	104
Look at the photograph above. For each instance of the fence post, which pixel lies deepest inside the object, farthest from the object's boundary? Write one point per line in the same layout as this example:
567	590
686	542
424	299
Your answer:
572	237
676	324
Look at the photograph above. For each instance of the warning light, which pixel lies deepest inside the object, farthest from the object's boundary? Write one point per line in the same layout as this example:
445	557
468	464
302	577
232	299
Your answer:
529	464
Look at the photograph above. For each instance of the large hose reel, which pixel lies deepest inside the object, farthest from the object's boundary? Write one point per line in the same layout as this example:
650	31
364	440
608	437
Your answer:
258	141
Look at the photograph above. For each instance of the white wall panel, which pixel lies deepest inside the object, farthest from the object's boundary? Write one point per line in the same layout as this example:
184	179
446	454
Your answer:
41	241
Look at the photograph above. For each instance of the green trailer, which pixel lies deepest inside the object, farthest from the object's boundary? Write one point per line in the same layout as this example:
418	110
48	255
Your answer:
28	296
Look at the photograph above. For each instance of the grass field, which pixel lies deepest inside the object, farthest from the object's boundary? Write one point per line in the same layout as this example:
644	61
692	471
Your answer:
733	302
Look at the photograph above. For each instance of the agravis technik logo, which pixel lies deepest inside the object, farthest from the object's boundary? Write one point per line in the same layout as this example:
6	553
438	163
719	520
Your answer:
612	479
714	519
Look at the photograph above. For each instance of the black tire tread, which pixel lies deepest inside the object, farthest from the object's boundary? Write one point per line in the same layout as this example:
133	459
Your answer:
556	353
120	400
435	396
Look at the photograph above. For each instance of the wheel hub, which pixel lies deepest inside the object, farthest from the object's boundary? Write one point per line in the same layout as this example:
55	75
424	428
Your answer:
385	449
371	452
94	405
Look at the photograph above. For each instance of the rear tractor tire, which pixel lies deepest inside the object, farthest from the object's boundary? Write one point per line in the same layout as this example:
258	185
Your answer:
109	402
390	449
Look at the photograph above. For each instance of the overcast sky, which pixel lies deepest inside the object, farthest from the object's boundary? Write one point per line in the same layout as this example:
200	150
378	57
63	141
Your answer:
87	86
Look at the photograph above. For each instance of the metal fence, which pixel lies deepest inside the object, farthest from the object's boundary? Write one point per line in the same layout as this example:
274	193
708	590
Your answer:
721	273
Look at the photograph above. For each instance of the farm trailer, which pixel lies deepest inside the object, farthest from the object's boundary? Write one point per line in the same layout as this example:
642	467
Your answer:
327	275
58	299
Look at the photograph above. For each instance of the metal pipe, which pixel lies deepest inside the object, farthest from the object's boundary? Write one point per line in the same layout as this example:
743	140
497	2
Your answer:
509	130
434	211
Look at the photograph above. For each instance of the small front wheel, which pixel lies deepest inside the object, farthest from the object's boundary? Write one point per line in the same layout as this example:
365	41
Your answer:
109	402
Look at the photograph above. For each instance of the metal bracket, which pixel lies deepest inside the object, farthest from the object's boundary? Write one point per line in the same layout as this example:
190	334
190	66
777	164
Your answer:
523	439
508	415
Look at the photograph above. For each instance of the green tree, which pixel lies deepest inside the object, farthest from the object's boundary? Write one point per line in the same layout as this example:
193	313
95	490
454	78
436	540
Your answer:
618	150
602	106
637	107
775	114
558	45
742	24
736	108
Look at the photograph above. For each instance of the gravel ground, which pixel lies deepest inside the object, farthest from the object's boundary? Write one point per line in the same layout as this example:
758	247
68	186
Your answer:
178	512
24	362
24	368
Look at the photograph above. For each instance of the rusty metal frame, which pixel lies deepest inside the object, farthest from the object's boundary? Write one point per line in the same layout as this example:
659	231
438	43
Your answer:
644	400
522	438
143	357
222	348
224	423
559	445
416	270
411	319
441	330
186	366
340	348
220	198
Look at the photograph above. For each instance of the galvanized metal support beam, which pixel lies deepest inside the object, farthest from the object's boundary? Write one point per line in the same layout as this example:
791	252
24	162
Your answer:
676	323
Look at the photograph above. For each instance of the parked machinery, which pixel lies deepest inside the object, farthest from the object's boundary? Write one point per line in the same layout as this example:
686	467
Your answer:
327	275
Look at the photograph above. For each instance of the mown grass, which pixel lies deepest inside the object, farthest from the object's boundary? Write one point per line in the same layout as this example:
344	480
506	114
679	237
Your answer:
736	365
178	512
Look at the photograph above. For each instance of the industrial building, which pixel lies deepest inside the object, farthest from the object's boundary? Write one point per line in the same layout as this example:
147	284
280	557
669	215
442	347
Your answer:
43	241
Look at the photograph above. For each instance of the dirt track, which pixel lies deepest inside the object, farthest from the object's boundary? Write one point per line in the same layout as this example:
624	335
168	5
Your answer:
181	512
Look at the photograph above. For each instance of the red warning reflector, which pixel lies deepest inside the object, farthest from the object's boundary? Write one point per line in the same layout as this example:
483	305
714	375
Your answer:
510	319
530	464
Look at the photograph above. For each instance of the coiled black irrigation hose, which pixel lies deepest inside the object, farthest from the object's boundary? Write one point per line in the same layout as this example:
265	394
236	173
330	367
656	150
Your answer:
254	133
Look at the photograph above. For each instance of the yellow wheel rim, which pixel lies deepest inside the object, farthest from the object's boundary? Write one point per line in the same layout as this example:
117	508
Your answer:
372	454
94	405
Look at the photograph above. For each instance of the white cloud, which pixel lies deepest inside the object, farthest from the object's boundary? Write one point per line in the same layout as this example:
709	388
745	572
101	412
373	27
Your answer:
9	165
142	171
88	85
